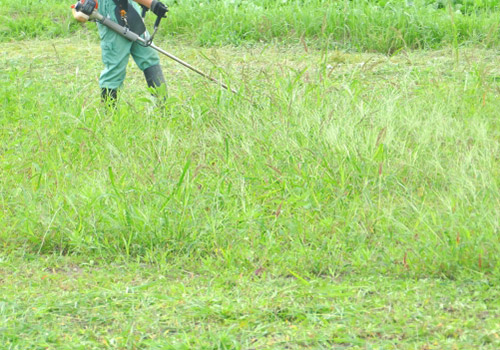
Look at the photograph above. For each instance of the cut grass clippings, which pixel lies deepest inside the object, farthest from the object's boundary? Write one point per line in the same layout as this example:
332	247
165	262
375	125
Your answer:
74	303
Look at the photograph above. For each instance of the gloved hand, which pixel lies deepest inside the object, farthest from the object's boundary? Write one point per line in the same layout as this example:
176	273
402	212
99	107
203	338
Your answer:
159	8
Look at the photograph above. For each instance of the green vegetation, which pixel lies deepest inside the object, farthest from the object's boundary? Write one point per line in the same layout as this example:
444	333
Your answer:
346	197
58	303
383	26
347	162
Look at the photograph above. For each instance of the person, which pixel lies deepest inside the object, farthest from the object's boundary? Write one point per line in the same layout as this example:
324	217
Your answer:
116	50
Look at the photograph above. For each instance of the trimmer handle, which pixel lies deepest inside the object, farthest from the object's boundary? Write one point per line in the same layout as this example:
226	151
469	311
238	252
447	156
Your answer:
155	29
157	22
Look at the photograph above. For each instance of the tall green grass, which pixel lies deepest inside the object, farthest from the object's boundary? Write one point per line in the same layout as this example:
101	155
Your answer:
329	164
382	26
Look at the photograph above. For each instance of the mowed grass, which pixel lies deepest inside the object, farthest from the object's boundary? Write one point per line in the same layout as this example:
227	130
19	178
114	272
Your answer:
73	303
336	199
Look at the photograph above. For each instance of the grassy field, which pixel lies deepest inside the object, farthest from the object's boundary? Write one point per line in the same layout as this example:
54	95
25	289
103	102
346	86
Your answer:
386	26
346	197
71	303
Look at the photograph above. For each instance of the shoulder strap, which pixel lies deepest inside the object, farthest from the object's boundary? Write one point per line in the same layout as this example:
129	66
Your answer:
133	20
123	4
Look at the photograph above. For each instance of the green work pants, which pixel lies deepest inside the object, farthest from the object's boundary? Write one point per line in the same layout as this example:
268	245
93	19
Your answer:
116	50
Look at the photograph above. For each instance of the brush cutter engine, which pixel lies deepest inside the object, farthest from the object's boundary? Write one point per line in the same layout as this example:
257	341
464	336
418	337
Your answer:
86	6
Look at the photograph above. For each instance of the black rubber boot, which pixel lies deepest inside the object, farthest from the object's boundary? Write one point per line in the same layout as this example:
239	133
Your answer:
109	96
154	76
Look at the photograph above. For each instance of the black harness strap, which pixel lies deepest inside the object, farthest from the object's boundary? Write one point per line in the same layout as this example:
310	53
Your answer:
132	19
122	4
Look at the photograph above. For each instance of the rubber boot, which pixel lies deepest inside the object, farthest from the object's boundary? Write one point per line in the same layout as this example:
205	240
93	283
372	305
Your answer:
109	96
154	76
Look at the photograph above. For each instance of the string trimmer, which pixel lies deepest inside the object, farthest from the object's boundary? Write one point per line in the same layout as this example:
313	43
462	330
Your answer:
89	8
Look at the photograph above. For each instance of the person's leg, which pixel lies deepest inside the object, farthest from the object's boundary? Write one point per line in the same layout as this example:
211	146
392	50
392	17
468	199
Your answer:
115	55
148	61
